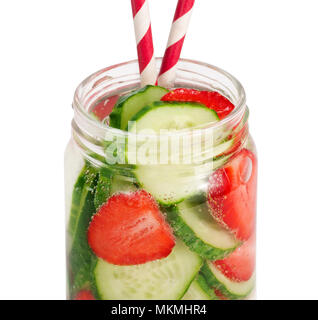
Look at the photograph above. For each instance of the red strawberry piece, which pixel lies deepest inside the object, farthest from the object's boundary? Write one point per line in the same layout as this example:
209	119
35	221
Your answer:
232	194
212	99
240	264
84	295
104	107
219	294
129	229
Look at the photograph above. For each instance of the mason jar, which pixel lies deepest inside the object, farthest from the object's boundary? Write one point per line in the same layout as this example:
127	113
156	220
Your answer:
167	215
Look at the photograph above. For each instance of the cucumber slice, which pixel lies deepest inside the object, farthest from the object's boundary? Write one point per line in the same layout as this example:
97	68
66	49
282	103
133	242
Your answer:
84	190
108	184
222	148
130	104
167	278
103	188
170	184
74	164
122	184
219	162
199	290
218	150
199	231
230	289
81	258
172	115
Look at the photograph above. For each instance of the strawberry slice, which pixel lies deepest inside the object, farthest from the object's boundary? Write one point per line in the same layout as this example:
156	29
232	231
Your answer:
219	294
232	194
212	99
240	264
84	295
104	107
129	229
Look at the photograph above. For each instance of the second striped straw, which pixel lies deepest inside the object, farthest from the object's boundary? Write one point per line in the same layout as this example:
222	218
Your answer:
177	34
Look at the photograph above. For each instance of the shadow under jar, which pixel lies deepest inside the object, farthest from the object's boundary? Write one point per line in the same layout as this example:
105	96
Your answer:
167	215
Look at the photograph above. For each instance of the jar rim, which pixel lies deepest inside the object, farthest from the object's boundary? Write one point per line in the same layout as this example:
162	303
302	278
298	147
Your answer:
100	129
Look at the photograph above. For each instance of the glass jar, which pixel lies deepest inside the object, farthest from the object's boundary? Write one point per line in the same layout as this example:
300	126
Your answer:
173	220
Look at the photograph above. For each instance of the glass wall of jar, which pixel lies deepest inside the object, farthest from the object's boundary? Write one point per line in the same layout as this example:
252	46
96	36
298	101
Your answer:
154	213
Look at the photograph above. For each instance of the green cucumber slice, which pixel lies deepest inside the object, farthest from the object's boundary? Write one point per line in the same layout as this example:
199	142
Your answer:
216	151
81	258
169	184
83	191
122	184
103	188
222	148
199	231
199	290
74	164
172	115
132	103
109	183
167	278
230	289
219	162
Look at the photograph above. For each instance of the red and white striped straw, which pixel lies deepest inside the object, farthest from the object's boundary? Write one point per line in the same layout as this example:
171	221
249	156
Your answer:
177	34
145	50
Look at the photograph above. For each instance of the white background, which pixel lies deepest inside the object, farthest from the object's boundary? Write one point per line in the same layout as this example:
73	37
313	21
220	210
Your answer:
48	47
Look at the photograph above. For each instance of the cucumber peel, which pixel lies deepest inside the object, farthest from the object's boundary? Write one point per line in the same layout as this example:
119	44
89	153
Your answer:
172	115
83	190
103	187
230	289
81	258
199	231
199	290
